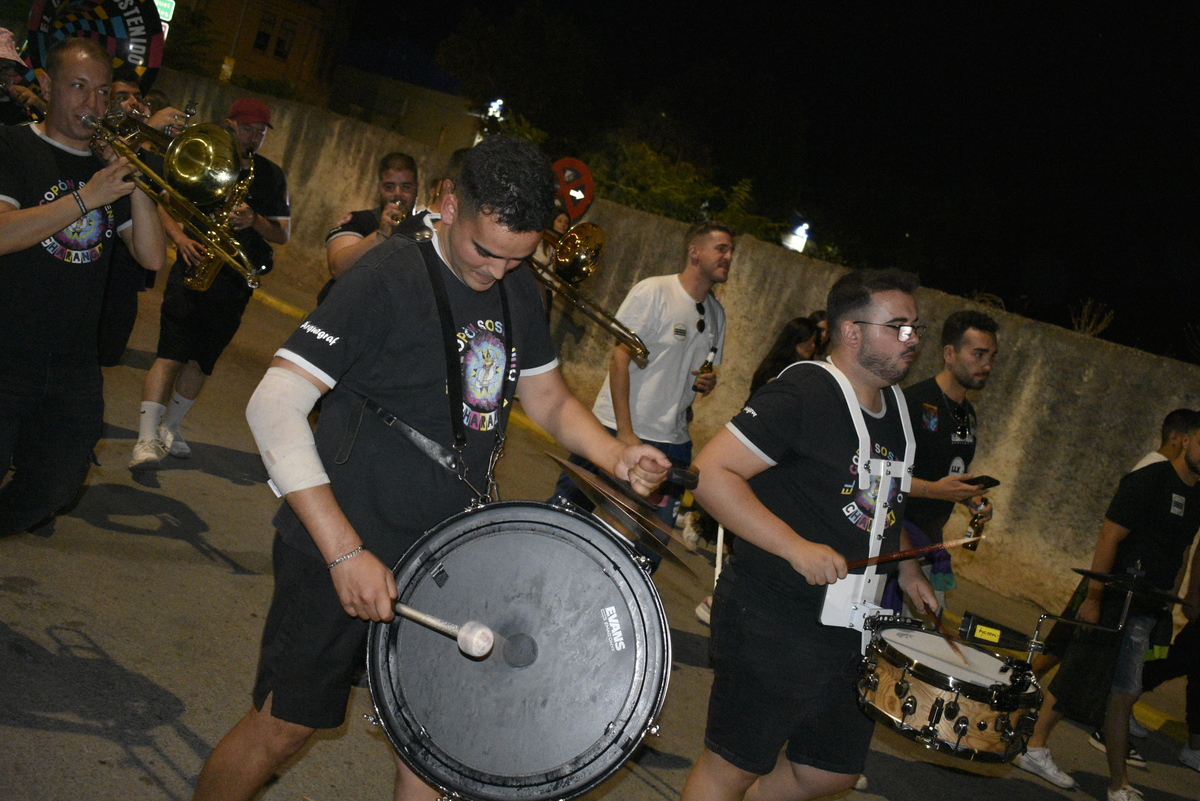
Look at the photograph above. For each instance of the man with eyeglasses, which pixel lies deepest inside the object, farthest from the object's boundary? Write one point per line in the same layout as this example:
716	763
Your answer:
681	322
944	424
787	474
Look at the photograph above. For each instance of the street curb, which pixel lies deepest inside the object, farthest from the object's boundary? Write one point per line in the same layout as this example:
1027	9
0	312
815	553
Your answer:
279	305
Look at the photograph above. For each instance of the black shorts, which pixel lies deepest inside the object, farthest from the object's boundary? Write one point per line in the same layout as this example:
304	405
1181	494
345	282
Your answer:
311	649
198	326
778	679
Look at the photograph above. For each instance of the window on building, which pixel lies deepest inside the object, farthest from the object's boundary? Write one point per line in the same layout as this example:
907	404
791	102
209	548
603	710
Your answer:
285	39
266	27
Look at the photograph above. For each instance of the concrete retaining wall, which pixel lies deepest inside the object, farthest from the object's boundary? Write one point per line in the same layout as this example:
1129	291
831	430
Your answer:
1062	418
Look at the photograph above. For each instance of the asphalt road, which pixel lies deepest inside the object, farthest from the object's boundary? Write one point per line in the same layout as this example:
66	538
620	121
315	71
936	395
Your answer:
129	631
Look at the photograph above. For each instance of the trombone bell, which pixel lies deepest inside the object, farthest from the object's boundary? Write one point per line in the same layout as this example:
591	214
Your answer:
575	258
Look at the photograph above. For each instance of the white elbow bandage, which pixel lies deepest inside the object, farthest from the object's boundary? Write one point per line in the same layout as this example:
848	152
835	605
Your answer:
278	417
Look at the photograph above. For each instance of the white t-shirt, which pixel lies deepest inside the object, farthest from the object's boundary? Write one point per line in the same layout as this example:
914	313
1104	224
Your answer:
665	317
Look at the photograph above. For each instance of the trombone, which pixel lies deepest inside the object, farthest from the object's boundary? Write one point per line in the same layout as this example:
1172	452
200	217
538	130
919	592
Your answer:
202	167
577	256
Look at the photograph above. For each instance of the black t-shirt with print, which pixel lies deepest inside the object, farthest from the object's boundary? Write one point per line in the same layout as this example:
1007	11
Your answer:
1162	515
800	423
378	335
51	293
940	450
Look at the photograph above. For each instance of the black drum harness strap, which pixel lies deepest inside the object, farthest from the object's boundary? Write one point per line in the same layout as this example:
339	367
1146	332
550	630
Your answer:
452	459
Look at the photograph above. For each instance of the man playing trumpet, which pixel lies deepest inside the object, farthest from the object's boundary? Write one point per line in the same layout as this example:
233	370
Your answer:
359	231
197	325
61	209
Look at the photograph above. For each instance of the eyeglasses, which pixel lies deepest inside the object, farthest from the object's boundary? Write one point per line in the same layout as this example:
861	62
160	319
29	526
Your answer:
903	332
700	322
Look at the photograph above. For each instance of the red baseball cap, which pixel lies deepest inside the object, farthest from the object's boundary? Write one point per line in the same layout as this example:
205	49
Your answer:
250	110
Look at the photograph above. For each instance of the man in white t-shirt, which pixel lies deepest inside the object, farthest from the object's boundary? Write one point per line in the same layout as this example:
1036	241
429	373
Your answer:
682	325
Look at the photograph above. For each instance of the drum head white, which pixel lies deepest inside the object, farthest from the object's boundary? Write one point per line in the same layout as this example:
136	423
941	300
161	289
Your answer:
932	650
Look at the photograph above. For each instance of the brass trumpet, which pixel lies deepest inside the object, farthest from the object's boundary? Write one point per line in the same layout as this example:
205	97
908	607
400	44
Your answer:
202	170
577	256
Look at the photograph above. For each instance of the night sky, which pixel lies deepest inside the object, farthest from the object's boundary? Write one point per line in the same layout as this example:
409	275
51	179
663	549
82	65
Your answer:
1044	154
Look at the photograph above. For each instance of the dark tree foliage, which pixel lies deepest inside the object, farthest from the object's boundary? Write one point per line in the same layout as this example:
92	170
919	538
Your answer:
190	41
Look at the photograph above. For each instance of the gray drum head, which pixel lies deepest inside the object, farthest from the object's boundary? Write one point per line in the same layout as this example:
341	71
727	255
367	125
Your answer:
577	674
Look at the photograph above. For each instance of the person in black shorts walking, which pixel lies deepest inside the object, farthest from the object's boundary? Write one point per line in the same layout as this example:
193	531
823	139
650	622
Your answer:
195	327
785	475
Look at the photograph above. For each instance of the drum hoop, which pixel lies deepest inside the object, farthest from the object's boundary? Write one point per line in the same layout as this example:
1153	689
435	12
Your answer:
987	694
647	693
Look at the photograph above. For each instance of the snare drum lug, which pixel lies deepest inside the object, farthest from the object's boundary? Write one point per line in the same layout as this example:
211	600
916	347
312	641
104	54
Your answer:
902	688
935	712
960	726
952	709
908	707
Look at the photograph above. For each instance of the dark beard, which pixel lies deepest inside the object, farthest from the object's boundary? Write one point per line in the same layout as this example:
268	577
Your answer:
877	364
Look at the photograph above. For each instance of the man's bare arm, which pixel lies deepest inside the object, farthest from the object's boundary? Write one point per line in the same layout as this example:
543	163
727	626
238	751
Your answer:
726	466
549	403
1110	537
618	385
365	586
24	228
146	239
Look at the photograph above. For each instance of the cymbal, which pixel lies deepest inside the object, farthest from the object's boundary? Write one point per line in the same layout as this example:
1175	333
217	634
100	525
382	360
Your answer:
635	514
1138	585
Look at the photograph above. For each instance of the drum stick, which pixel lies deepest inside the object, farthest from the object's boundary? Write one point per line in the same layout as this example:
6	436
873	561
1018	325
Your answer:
908	553
945	632
474	639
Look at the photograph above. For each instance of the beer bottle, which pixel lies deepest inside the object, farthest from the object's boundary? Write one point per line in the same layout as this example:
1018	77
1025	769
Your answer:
975	527
705	368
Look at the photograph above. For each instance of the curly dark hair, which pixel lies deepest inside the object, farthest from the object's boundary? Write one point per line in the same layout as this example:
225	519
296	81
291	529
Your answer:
510	178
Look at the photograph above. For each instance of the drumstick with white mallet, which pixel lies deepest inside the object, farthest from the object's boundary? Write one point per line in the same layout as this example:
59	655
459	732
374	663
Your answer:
909	553
474	639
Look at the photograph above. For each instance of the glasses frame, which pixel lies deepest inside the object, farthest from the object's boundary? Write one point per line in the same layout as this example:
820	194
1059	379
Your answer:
904	332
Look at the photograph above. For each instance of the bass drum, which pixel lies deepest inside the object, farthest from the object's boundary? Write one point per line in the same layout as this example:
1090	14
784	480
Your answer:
578	673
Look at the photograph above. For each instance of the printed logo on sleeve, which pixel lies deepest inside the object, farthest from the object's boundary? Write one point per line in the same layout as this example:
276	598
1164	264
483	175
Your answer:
1177	504
318	333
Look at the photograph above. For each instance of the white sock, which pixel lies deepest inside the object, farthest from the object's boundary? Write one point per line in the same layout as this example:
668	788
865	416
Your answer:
179	407
151	416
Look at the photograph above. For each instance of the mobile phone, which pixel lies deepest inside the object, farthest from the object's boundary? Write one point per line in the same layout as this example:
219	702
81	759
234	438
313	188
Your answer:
984	482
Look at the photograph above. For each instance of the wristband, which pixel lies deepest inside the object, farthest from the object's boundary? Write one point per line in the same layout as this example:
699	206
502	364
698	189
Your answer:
344	557
83	209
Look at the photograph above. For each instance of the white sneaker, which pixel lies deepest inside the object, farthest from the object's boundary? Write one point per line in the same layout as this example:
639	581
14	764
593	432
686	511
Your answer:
704	611
690	536
861	782
1126	793
1136	729
1190	757
1039	762
147	453
172	442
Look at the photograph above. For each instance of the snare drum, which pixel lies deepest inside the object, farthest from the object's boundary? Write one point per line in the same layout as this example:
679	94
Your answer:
912	681
576	678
